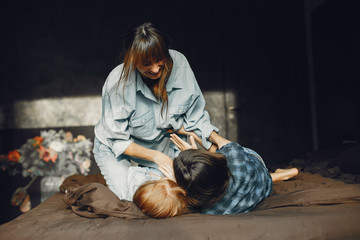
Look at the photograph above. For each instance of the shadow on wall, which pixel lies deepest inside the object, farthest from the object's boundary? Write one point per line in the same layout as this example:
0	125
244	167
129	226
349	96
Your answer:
86	111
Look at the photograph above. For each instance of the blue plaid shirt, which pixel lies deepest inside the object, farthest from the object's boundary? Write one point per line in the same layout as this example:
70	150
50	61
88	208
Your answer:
250	182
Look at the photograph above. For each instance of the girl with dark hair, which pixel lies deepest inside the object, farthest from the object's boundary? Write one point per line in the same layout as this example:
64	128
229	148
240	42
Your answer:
204	175
153	90
236	182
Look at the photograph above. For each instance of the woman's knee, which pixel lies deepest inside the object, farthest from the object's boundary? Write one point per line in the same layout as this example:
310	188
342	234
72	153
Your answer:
114	170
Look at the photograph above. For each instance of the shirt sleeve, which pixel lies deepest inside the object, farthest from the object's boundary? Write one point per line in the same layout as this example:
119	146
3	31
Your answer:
196	118
113	127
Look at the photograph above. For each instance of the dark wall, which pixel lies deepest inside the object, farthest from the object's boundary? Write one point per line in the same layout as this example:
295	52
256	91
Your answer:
265	61
255	48
68	49
336	35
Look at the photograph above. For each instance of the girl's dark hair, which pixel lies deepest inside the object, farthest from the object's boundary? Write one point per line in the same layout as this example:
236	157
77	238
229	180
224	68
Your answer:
204	175
147	44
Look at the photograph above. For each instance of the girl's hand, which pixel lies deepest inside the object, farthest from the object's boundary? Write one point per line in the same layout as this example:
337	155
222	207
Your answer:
168	172
163	160
181	144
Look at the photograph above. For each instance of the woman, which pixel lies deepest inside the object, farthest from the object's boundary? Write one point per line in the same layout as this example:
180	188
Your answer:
232	180
153	90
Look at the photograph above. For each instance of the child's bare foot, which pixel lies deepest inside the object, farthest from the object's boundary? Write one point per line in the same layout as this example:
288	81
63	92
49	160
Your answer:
284	174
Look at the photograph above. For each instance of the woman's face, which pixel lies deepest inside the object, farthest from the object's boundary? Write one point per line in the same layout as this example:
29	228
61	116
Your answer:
151	70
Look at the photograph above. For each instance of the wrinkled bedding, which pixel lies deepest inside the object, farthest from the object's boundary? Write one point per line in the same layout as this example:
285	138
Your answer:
307	207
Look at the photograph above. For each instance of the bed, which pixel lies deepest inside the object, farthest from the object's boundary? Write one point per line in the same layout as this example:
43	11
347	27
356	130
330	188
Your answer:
310	206
307	207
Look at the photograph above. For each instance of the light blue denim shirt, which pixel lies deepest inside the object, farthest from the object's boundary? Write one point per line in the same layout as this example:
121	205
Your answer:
133	114
136	177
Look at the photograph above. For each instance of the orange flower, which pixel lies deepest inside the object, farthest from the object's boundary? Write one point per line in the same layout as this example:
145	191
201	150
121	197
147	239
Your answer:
38	140
47	154
14	156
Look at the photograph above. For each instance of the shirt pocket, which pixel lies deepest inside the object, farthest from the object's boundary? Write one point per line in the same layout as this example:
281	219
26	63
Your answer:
176	115
176	111
142	125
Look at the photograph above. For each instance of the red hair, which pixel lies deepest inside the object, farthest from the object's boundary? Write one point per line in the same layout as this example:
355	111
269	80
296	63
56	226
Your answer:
161	199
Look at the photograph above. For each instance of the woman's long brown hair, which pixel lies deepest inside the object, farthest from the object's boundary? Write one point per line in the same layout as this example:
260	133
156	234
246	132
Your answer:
146	44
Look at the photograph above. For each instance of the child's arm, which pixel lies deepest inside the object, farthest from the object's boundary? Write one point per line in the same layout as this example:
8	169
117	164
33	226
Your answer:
218	140
182	145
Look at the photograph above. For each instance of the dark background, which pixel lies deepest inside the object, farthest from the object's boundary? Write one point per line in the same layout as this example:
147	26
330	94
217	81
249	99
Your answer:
256	48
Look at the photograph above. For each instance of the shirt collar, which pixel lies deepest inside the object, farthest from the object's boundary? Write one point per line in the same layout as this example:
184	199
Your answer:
173	82
141	86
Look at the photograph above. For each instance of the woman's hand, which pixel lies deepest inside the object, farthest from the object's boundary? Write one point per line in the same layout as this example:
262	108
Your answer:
181	144
168	172
163	160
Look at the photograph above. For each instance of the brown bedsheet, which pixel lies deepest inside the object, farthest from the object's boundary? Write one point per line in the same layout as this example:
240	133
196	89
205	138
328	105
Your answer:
308	207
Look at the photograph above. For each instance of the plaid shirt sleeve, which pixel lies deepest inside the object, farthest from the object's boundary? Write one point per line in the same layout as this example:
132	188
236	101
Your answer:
249	185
